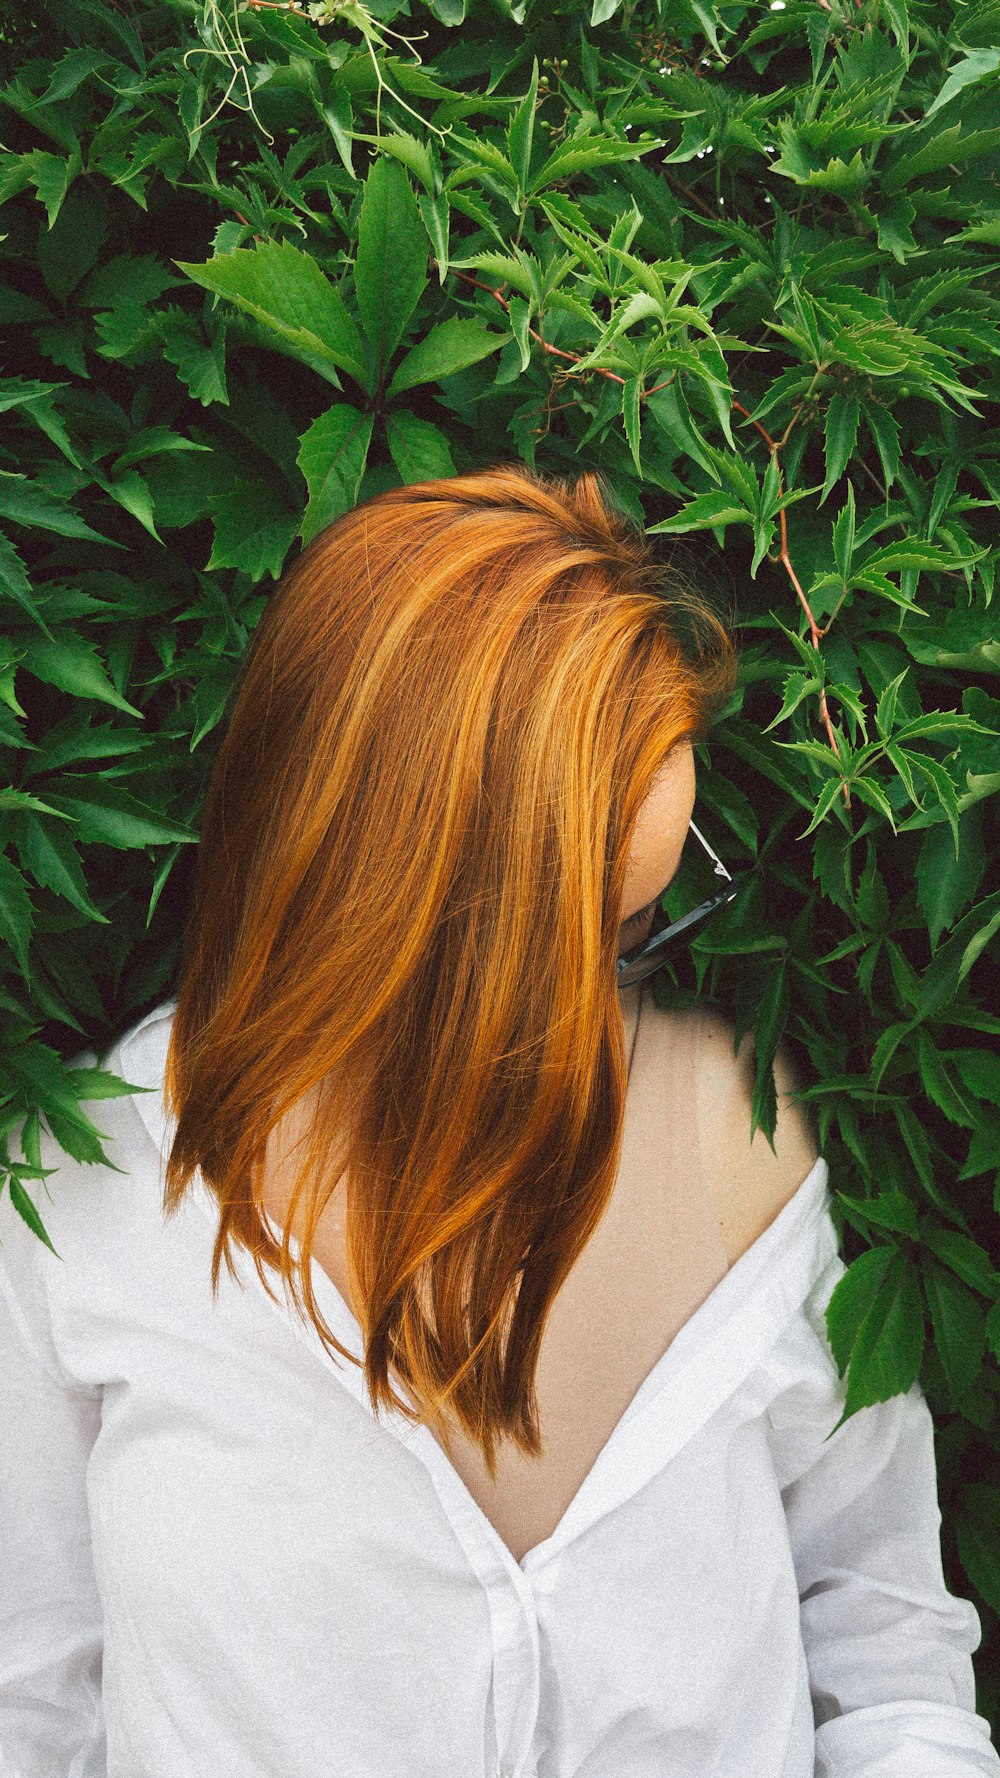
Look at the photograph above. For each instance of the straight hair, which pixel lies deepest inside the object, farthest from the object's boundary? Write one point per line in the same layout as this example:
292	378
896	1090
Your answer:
406	904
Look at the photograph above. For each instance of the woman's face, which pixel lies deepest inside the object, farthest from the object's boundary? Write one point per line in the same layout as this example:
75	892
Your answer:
657	840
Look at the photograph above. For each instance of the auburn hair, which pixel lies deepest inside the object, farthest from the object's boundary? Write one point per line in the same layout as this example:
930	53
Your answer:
406	903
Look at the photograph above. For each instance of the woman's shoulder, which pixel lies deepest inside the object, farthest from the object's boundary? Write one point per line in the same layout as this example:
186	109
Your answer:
750	1182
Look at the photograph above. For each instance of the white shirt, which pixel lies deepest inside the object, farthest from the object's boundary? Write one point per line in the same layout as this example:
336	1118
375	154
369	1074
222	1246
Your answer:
214	1559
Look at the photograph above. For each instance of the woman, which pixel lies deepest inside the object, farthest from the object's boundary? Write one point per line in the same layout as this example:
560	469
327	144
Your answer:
536	1482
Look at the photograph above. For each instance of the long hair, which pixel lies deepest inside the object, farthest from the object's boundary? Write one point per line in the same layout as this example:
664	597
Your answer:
406	904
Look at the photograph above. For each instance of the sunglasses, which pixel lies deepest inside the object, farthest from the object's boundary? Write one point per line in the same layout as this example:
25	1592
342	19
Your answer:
633	965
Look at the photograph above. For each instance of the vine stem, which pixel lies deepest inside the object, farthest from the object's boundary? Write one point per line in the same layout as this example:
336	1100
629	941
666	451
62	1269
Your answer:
775	446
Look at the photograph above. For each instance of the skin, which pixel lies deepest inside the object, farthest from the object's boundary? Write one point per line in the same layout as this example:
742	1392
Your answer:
749	1182
657	840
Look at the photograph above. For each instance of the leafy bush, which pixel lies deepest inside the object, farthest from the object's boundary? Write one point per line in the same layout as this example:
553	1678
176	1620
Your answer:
261	261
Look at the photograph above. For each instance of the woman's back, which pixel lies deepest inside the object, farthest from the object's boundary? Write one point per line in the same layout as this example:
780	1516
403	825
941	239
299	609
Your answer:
672	1229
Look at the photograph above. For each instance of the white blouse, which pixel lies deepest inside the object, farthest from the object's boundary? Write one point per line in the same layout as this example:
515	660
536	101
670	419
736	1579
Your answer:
215	1559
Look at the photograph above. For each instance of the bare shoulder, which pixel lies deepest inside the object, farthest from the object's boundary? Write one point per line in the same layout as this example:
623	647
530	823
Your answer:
750	1182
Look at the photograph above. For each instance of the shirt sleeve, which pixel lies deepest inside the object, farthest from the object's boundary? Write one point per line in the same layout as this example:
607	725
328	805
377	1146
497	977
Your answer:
51	1636
888	1647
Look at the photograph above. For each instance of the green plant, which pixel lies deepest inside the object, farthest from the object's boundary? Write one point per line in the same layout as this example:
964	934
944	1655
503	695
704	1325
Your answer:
260	261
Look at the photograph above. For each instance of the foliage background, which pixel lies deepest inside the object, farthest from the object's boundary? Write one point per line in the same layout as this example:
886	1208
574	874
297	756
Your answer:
256	265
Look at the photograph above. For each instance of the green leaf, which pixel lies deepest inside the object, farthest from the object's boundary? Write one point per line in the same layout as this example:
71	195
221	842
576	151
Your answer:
939	1086
872	793
703	513
632	417
390	272
132	493
28	503
975	65
450	346
979	1546
15	583
885	711
107	815
872	899
889	1348
26	1210
285	290
852	1299
840	432
890	1210
965	1257
407	149
16	912
521	129
199	365
73	665
48	853
254	530
419	449
332	457
843	536
959	1330
50	174
983	1154
980	1073
797	687
915	1136
955	958
581	154
946	883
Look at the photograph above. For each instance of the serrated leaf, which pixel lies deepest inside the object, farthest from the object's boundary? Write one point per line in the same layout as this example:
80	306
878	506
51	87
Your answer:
254	530
286	291
48	853
939	1086
852	1298
72	664
885	710
890	1210
946	883
840	431
703	513
979	1550
26	1210
959	1330
632	417
17	916
14	582
332	457
390	270
520	131
419	449
797	687
889	1348
581	154
107	815
974	65
965	1257
449	347
200	366
979	1071
843	535
887	1043
28	503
